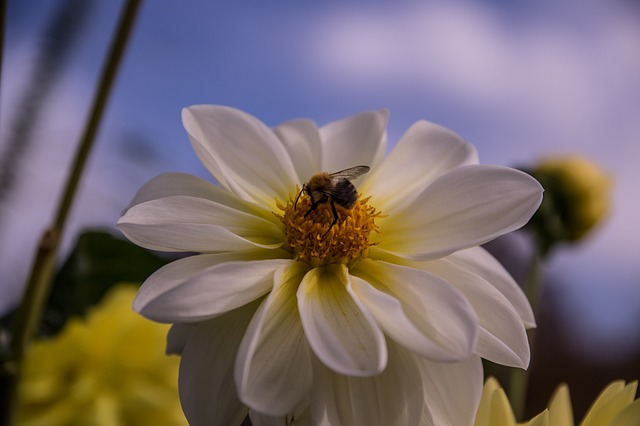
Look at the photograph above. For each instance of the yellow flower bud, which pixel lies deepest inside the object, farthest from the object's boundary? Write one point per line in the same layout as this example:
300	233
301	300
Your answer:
577	197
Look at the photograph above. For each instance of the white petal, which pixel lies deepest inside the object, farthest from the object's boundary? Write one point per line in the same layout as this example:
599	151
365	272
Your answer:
464	208
301	138
341	333
357	140
300	416
182	184
418	309
176	273
480	262
207	390
452	390
170	184
423	154
178	336
273	368
503	338
241	152
389	313
180	223
201	287
394	397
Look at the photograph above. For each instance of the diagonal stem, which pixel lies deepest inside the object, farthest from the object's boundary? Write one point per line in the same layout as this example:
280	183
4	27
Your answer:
3	18
37	288
519	379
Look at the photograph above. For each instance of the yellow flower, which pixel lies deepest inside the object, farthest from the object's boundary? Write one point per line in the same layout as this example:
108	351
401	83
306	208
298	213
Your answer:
577	197
615	406
109	369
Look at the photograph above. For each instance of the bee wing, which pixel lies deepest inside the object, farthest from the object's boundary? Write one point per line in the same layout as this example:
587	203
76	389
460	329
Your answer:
350	173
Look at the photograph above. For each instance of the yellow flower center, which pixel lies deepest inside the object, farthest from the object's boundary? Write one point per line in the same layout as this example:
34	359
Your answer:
312	239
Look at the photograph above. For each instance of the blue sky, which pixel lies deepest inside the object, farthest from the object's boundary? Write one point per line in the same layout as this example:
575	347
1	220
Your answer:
520	80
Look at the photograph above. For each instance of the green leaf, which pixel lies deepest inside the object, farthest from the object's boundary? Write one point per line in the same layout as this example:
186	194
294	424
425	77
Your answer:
98	261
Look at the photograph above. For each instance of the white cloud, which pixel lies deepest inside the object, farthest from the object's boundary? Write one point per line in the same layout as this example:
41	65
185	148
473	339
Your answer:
422	46
562	76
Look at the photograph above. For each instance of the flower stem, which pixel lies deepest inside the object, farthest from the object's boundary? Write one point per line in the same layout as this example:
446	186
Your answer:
38	284
519	380
3	18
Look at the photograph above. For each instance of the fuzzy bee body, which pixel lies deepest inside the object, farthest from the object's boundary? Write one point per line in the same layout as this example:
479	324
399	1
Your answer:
334	188
345	194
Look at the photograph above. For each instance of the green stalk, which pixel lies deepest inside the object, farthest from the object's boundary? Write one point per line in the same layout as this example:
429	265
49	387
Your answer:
38	284
3	18
519	379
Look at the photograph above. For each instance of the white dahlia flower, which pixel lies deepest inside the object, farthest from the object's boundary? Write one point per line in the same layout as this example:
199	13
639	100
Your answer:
312	311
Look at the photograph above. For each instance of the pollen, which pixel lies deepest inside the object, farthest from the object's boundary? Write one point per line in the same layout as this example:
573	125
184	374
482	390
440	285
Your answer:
314	241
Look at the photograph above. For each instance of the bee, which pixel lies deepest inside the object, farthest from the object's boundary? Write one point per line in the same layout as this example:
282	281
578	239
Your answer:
334	188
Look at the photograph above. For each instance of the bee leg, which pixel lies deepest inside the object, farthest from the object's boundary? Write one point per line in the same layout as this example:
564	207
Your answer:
335	214
295	205
313	207
335	217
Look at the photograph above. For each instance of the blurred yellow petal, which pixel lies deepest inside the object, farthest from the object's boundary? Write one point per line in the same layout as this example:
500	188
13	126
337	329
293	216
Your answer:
541	419
105	412
628	416
494	408
483	416
610	402
560	410
501	412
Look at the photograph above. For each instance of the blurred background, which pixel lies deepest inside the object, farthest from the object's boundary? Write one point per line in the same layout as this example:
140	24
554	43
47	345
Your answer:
520	80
